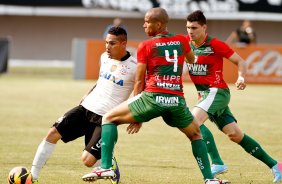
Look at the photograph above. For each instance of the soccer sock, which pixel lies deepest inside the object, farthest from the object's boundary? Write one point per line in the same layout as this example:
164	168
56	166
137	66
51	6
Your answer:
201	154
44	151
252	147
109	138
211	146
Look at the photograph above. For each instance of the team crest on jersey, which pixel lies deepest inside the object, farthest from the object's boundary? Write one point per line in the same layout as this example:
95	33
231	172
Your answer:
124	69
208	50
203	51
113	68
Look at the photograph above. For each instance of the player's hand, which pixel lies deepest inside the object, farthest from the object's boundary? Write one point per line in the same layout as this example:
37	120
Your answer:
133	128
240	83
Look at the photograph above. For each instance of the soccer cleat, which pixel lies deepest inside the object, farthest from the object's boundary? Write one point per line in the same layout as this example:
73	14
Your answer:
218	169
277	172
216	181
116	178
99	173
35	181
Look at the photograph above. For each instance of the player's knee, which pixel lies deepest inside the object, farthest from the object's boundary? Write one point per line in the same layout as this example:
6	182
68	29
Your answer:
107	118
87	161
53	136
235	137
195	136
193	133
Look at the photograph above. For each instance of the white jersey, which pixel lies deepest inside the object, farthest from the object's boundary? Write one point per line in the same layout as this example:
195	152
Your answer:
114	85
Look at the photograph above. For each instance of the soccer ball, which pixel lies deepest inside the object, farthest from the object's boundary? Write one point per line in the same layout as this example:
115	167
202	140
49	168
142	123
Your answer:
19	175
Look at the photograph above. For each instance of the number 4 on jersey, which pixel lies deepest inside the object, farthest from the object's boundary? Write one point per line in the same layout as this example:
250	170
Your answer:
174	60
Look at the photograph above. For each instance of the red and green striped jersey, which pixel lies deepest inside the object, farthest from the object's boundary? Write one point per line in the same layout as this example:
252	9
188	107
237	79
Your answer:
206	71
164	55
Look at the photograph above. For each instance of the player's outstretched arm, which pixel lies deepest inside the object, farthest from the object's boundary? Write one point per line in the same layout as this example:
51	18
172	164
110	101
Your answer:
240	62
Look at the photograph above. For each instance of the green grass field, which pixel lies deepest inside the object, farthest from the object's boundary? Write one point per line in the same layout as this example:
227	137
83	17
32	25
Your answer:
31	100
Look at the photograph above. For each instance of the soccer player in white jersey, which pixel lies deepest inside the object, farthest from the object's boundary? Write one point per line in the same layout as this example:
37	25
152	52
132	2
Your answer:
115	84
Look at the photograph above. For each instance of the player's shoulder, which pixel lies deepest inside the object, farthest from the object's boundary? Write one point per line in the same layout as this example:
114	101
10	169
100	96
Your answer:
104	54
145	45
181	36
217	44
129	65
187	37
132	60
213	40
104	57
146	42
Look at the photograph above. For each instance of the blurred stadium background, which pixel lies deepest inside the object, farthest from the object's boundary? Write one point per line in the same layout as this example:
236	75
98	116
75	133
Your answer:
44	30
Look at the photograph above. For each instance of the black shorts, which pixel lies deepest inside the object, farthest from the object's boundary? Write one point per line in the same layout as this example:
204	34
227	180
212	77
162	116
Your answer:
79	122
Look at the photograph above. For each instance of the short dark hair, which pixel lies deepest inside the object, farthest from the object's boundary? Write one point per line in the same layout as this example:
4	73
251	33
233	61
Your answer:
118	31
197	16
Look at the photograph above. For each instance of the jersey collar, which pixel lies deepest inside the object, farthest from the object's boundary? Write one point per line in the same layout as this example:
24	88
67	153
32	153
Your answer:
126	56
205	40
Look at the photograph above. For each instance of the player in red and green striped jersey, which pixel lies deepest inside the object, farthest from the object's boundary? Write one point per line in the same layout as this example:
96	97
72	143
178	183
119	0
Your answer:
158	93
214	95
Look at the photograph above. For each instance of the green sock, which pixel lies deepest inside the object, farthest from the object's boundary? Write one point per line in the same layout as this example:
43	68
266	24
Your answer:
109	138
211	146
201	154
252	147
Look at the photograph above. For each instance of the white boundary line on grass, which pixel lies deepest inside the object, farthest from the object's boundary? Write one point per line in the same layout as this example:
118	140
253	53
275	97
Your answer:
41	63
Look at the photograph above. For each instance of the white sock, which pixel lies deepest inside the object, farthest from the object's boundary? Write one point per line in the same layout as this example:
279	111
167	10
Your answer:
44	151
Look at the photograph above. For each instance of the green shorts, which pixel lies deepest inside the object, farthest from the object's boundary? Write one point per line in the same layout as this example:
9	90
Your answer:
172	108
215	102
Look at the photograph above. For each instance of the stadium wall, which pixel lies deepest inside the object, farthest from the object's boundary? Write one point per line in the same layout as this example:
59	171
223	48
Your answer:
264	62
50	37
